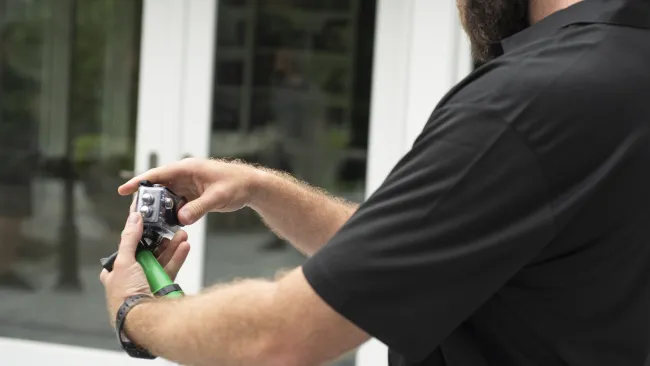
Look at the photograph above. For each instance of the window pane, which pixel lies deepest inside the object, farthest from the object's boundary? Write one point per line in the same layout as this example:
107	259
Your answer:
292	92
68	89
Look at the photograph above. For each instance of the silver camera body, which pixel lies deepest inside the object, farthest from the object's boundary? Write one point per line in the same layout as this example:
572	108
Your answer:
159	207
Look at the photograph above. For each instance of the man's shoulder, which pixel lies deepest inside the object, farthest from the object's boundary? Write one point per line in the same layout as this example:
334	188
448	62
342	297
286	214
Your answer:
572	70
509	83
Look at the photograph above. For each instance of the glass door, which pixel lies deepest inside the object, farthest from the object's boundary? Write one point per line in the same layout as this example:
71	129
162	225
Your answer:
69	81
292	85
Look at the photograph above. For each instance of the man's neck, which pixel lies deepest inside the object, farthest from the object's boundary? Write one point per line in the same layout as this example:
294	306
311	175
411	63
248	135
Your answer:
540	9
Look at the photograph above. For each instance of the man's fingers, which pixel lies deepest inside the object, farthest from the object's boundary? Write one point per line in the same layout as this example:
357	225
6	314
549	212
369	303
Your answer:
161	249
165	254
177	260
103	276
160	175
194	210
180	236
133	203
130	239
155	175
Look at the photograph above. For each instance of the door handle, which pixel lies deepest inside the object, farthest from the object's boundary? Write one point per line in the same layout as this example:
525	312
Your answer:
153	160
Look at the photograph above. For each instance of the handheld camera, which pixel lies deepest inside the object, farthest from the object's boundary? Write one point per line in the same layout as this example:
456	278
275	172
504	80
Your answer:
159	207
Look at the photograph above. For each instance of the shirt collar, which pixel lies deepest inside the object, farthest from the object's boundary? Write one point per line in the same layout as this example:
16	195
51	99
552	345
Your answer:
632	13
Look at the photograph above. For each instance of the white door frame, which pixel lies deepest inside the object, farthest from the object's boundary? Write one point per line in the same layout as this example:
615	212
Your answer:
421	51
195	117
175	98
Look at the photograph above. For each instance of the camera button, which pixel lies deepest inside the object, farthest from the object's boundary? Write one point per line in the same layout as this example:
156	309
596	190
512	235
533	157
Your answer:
147	199
146	211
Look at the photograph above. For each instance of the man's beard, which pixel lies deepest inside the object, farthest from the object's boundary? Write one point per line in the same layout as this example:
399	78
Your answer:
487	22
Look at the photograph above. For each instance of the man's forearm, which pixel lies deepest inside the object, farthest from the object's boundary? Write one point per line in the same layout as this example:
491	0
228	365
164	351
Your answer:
227	325
249	322
307	217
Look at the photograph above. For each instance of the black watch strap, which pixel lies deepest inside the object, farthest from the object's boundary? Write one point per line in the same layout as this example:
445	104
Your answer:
129	347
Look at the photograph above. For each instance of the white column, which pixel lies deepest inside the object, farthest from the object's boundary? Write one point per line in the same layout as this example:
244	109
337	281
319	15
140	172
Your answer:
434	64
175	107
389	98
420	53
195	119
175	99
162	54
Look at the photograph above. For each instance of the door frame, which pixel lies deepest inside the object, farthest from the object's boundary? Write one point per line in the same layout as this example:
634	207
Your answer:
175	98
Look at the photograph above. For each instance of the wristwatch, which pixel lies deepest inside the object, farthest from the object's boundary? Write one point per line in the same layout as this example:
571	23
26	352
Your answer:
129	347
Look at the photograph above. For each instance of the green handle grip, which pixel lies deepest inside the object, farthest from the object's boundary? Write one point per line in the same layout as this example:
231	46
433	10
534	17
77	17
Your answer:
156	275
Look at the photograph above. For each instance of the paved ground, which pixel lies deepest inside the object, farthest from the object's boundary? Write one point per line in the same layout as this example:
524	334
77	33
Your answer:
78	317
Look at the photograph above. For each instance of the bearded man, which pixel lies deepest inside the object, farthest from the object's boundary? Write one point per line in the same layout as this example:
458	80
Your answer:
514	232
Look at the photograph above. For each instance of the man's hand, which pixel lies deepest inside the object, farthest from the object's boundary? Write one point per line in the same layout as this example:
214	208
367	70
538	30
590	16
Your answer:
208	185
128	278
305	216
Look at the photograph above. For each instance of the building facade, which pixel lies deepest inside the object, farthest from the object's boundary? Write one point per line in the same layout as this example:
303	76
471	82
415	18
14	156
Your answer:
95	91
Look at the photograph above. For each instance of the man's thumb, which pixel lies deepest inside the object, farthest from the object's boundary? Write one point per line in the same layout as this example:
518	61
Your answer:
193	211
131	235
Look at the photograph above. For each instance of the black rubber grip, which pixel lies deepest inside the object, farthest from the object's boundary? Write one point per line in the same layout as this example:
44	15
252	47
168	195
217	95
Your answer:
107	263
168	289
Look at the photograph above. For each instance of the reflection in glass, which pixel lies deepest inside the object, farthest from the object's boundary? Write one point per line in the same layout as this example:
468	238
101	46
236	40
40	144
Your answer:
68	88
292	92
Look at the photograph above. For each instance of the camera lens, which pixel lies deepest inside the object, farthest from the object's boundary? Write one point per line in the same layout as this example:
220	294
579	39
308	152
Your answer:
169	203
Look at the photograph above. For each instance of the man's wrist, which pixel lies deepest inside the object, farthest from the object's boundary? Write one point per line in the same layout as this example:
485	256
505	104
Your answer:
260	180
135	318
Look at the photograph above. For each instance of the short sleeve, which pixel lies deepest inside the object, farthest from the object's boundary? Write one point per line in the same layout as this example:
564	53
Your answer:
460	214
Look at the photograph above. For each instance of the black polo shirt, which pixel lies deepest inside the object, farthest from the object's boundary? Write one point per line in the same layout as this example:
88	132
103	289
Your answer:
516	231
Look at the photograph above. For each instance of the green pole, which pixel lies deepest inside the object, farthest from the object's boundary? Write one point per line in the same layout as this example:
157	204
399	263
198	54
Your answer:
156	275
